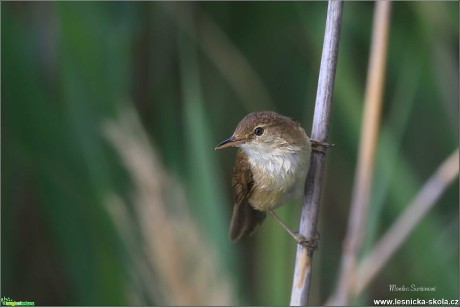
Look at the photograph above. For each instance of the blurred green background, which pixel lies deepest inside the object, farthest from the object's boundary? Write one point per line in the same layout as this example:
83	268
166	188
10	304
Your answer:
88	218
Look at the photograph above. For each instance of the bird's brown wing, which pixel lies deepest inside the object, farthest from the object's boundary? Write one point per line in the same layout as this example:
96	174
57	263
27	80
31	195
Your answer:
245	218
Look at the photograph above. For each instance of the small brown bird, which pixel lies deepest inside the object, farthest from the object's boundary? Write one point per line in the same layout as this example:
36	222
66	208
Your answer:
271	165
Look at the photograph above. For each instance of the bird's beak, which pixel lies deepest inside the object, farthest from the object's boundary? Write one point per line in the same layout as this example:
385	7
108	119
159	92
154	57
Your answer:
231	141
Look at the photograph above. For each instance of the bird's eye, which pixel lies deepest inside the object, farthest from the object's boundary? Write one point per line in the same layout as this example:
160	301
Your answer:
259	131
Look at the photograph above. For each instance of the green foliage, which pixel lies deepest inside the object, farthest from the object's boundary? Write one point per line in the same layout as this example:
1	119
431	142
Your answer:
67	67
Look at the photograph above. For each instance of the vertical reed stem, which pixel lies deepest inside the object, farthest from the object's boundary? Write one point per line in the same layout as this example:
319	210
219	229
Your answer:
309	217
364	169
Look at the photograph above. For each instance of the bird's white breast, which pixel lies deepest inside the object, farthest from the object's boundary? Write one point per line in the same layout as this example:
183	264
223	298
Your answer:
279	174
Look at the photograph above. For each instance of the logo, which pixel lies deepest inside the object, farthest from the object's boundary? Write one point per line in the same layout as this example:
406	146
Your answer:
6	301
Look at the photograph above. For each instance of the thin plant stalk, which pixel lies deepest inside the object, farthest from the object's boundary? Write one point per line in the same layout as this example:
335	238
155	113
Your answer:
364	171
310	209
417	209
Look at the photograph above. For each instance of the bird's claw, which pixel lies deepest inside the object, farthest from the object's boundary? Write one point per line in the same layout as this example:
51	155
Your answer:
308	243
320	146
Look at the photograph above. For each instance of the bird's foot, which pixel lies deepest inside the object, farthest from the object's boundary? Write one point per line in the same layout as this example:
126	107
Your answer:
308	243
320	146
